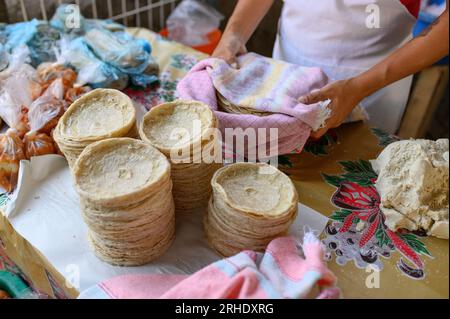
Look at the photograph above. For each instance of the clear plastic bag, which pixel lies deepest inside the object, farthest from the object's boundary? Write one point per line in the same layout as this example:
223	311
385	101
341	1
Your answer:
38	35
11	153
14	100
123	52
76	92
91	70
118	49
192	21
18	68
44	112
4	58
37	144
43	116
64	20
12	62
49	72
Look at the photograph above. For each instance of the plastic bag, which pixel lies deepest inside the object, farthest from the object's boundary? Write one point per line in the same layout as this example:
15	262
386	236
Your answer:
14	100
37	144
11	153
4	58
102	53
49	72
20	33
14	61
143	80
125	53
118	49
90	69
18	67
66	13
148	77
192	21
39	36
74	93
56	89
44	112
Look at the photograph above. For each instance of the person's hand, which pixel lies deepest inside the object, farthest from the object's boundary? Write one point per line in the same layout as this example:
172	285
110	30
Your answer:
344	95
229	47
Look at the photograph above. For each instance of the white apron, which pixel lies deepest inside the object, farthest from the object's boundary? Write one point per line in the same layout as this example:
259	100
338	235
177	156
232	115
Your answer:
334	35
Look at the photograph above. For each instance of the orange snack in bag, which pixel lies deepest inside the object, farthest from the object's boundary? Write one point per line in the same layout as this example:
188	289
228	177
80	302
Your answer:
44	113
49	72
22	126
11	153
74	93
15	98
35	90
43	116
37	144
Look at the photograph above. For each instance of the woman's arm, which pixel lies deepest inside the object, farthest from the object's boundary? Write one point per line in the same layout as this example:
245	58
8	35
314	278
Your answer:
419	53
245	19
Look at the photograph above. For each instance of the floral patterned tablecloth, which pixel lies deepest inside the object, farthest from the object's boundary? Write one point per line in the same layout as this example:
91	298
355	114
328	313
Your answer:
334	177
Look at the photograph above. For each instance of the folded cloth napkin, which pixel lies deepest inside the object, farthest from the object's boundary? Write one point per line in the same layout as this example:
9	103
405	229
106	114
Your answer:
265	85
279	273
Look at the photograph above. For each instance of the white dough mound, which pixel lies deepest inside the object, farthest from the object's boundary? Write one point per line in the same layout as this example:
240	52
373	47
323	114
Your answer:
413	185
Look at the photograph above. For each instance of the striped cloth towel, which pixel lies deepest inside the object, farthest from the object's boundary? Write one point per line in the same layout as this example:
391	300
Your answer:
279	273
265	85
270	85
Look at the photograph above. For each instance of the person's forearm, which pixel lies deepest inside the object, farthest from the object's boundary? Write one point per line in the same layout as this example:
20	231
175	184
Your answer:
246	17
419	53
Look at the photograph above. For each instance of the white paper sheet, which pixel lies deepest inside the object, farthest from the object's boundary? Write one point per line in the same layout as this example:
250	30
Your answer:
45	211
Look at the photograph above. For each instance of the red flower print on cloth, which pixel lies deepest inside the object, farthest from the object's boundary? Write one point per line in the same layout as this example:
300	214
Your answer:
358	232
164	92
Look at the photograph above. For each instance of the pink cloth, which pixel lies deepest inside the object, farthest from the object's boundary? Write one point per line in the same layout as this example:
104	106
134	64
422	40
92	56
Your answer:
279	273
293	129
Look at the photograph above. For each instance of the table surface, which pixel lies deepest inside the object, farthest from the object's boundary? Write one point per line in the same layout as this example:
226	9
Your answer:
368	261
411	266
356	275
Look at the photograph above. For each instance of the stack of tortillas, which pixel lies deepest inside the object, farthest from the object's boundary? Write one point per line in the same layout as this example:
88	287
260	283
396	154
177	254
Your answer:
186	132
229	107
97	115
251	205
126	200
